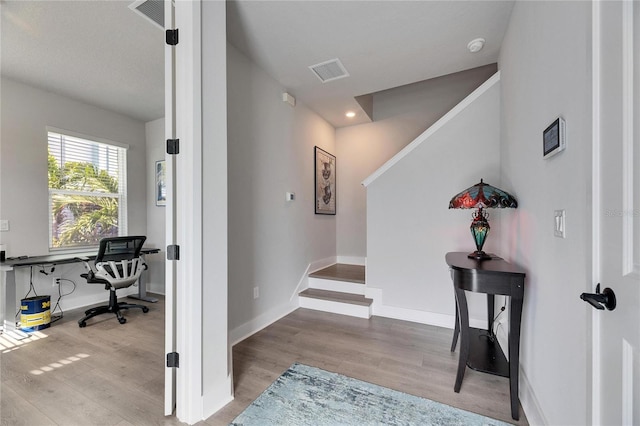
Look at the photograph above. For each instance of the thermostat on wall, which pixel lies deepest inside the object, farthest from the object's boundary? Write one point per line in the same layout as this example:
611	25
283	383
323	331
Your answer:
554	138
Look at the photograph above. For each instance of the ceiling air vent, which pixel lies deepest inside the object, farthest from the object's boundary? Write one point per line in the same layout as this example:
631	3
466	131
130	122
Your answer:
329	70
153	10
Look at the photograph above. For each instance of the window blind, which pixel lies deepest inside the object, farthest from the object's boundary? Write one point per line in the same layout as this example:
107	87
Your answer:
87	190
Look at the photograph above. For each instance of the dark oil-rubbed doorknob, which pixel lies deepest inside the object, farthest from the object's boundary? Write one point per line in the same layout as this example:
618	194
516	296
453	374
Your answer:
597	299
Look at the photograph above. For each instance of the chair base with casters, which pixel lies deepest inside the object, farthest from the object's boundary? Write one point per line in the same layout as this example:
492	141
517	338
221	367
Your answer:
114	307
117	265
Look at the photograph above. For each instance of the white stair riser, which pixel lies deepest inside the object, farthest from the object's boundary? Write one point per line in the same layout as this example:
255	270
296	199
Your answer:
358	311
333	285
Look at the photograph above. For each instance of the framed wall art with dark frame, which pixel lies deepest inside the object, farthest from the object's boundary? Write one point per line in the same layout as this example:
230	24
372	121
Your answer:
161	187
325	182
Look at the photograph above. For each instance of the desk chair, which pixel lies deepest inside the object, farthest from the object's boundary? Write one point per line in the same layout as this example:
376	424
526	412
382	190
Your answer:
117	265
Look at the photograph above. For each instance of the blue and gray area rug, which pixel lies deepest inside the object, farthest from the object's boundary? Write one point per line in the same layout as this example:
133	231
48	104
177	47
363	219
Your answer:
305	395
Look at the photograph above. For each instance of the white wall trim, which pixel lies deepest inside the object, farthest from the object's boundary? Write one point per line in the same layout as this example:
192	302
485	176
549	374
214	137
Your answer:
414	315
170	385
628	219
303	283
434	128
595	384
213	403
529	402
316	265
93	299
250	328
352	260
188	199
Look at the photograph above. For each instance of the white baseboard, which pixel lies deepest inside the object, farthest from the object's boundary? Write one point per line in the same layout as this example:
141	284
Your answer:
156	288
251	327
352	260
93	299
321	264
530	404
414	315
214	401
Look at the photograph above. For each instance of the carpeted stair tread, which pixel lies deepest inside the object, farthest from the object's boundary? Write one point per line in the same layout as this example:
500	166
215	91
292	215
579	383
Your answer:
341	272
336	296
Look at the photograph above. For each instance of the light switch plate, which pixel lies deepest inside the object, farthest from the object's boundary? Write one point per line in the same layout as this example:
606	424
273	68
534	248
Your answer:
560	225
4	225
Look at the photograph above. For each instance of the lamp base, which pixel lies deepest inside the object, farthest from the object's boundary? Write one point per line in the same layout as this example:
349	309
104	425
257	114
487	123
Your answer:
479	255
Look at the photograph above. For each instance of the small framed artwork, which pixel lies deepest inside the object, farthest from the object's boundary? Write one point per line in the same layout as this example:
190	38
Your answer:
325	182
161	186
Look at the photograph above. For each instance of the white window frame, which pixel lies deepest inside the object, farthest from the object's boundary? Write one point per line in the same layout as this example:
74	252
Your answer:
121	195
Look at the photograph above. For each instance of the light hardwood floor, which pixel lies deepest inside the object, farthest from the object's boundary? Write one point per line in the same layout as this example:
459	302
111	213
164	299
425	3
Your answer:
105	373
113	374
409	357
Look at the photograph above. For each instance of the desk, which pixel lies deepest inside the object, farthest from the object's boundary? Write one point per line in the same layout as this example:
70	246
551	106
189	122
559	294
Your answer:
9	266
477	349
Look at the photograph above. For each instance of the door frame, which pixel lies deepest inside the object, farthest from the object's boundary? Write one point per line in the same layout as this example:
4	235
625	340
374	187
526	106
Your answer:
183	283
627	33
595	387
188	198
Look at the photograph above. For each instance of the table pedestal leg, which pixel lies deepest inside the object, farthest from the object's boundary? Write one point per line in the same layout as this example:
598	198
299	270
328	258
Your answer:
461	301
456	330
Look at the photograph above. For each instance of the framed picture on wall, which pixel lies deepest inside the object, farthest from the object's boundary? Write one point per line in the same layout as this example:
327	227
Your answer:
325	182
161	187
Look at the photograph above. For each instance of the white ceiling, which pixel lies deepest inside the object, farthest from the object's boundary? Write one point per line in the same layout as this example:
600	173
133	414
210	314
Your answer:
102	53
99	52
382	44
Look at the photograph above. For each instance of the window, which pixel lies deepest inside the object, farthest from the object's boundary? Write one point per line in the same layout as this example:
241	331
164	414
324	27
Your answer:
87	191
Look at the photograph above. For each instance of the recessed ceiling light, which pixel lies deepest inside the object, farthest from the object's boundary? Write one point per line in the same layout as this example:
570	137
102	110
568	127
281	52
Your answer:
476	45
350	114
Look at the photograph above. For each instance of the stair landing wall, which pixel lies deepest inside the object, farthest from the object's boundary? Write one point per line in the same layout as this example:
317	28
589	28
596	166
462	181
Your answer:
409	224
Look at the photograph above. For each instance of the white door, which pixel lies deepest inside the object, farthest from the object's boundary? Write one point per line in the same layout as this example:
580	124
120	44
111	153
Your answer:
170	266
616	210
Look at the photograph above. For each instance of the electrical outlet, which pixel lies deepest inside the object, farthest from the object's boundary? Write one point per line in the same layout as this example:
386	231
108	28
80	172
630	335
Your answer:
56	281
256	292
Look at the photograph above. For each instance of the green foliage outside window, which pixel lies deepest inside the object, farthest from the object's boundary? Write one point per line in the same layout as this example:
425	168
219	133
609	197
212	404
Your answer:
84	203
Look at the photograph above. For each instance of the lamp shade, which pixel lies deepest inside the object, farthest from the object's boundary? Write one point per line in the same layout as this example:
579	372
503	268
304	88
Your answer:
482	195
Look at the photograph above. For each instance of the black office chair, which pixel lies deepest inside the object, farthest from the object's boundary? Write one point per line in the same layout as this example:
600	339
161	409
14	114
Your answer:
117	265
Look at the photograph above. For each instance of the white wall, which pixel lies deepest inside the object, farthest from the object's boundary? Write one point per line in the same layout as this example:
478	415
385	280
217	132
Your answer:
400	115
26	111
270	149
155	144
545	64
410	227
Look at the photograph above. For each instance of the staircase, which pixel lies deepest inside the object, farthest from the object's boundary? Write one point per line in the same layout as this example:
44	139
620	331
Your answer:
338	289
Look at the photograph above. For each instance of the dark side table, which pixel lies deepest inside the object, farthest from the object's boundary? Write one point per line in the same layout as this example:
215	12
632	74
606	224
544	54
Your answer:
479	349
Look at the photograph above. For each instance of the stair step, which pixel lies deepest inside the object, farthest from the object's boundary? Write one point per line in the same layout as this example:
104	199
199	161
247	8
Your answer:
336	302
337	296
341	272
339	286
